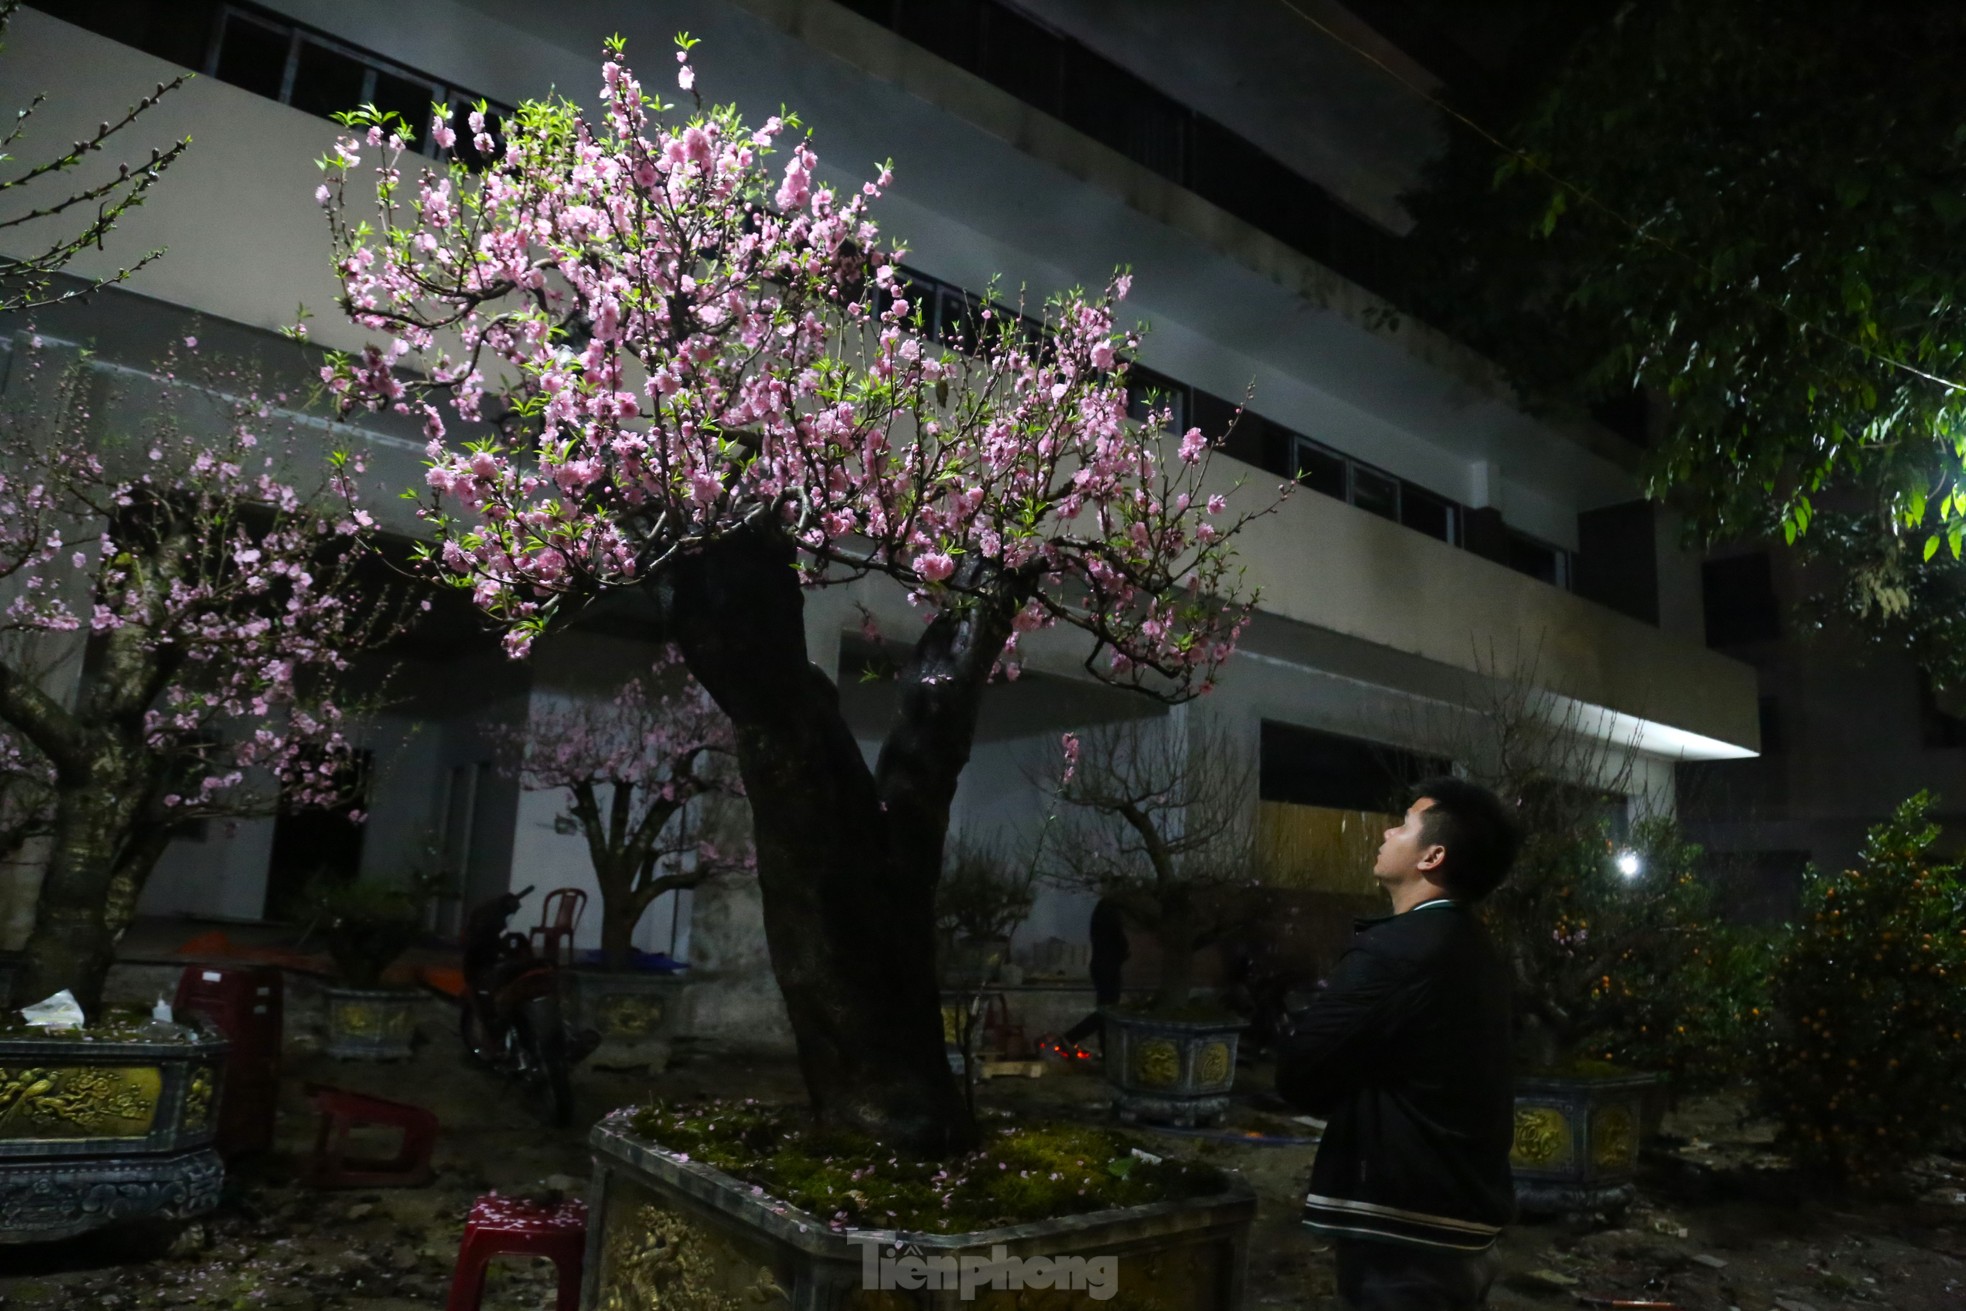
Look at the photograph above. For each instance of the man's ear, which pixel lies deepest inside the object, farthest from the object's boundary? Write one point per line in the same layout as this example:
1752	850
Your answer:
1432	858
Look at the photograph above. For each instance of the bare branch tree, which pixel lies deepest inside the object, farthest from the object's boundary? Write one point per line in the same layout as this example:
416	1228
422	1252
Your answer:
28	281
1162	822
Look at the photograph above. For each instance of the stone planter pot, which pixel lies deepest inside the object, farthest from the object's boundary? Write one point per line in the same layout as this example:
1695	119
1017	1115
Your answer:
370	1024
668	1233
1170	1071
113	1127
1576	1141
639	1016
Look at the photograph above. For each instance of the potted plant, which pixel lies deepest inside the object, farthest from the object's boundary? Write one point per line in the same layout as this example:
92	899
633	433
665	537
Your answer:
651	786
104	1122
746	411
980	900
367	924
1160	820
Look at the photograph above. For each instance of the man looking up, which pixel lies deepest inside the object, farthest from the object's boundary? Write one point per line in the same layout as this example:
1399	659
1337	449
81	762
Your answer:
1406	1053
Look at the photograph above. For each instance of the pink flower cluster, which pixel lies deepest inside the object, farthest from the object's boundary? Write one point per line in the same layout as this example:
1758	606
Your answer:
681	339
220	596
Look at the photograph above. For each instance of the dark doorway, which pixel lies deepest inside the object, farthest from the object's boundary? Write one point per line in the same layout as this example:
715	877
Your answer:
312	844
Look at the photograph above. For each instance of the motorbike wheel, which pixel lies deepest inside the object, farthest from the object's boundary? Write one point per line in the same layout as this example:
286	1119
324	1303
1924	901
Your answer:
477	1043
548	1078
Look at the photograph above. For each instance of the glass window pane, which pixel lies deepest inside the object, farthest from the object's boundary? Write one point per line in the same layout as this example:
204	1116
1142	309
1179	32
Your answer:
942	27
253	56
1316	468
1375	492
408	97
880	11
1424	512
467	151
326	81
1022	58
461	122
1529	556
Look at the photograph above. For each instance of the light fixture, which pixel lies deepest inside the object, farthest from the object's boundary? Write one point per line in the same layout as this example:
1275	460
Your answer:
1629	864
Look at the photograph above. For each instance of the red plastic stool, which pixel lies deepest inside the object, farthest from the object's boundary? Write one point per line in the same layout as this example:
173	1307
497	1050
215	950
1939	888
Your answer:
499	1226
342	1110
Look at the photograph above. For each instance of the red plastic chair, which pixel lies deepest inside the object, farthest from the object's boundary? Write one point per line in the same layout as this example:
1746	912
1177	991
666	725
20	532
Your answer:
499	1226
558	918
341	1110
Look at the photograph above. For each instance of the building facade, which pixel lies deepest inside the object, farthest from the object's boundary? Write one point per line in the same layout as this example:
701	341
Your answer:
1244	165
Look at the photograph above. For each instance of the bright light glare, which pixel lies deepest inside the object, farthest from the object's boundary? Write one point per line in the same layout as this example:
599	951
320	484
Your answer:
1629	864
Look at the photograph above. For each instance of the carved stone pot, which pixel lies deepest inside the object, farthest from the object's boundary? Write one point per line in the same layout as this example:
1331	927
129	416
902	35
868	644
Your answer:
1166	1071
665	1232
114	1124
371	1024
638	1015
1576	1141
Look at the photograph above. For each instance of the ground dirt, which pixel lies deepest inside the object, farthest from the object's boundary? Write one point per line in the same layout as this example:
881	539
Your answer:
1721	1222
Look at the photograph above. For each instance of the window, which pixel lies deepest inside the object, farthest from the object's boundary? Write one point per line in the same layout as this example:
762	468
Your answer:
1320	469
950	315
1424	512
327	80
1022	58
1538	559
1146	389
947	28
1375	492
270	55
1112	105
1738	595
252	55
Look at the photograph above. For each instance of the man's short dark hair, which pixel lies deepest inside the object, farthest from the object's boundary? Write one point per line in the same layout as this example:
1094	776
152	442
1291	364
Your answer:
1478	831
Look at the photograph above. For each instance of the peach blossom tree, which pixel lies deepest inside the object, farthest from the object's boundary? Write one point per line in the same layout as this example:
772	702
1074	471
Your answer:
221	610
642	773
657	350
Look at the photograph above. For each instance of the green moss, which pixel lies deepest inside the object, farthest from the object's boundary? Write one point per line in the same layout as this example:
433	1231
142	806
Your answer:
1579	1067
113	1025
1188	1011
1020	1173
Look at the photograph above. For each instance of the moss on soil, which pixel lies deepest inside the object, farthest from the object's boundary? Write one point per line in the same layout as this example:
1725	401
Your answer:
1205	1011
1020	1173
1579	1068
113	1025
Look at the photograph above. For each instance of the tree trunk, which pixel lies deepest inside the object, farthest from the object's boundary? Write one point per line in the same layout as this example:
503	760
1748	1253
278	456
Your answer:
1177	965
849	924
73	943
621	911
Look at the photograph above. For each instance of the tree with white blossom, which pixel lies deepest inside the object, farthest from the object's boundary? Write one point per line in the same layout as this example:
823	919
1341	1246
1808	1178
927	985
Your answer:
709	384
646	775
221	611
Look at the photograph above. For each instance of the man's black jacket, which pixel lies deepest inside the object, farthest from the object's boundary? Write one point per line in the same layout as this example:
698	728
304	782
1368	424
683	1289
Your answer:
1407	1054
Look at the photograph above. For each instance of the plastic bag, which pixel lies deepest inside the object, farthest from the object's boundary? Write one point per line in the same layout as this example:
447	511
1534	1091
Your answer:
60	1011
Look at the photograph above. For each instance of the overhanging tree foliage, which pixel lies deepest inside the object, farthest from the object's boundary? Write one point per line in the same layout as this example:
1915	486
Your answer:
1752	213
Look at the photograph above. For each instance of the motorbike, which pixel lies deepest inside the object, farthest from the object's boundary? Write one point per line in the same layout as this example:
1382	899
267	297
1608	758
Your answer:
511	1019
1267	994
